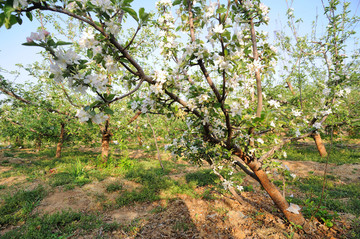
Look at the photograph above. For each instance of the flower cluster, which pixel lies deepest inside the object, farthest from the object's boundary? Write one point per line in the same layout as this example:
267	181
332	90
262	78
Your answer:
38	36
85	116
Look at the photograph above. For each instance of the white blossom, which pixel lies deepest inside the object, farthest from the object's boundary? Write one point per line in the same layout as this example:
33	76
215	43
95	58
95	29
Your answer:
272	124
99	118
20	4
274	103
260	141
285	156
317	125
240	188
83	115
227	184
218	28
296	112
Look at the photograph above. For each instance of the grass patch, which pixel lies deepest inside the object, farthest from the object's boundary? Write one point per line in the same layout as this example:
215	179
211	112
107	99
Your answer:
60	225
156	185
17	207
338	155
202	178
338	198
113	187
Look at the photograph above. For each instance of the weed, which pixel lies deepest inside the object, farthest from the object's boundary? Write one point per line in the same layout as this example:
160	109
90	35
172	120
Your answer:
209	195
144	195
2	187
158	209
132	228
7	154
248	188
17	207
113	187
321	213
5	162
203	177
59	225
355	231
181	226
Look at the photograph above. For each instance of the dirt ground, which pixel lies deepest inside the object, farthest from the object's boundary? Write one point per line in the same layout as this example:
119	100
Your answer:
254	216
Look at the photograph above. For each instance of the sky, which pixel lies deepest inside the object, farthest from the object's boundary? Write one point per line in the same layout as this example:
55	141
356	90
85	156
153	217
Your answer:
12	52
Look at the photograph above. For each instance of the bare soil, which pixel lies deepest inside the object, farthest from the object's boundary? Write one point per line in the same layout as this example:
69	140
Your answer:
255	216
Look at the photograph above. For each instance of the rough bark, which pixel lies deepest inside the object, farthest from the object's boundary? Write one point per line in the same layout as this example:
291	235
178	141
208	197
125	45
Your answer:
105	141
319	144
61	141
271	189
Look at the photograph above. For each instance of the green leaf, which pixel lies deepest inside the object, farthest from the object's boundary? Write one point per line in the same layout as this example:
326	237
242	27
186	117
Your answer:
2	19
51	42
10	21
141	13
19	20
90	53
108	111
110	97
63	43
30	44
8	10
131	12
221	10
176	2
29	15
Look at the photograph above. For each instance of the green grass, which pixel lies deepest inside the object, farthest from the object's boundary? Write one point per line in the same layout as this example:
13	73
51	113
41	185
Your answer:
155	183
202	178
113	187
338	155
60	225
337	198
17	207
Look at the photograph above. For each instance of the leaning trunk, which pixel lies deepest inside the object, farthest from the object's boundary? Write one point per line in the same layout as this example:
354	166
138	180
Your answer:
105	142
319	144
272	190
61	140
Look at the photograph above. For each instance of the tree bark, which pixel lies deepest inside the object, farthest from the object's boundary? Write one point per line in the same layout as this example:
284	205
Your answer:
105	141
319	144
271	189
61	141
290	87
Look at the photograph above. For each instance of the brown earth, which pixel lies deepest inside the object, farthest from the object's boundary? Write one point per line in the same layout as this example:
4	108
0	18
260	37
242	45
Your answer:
254	216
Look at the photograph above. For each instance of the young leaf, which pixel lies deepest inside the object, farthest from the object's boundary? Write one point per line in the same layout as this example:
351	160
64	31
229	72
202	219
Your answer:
131	12
62	43
30	44
108	111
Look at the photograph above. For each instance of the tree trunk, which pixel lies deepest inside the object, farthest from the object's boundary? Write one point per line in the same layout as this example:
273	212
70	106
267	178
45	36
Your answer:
319	144
290	87
38	144
61	140
138	134
272	190
105	141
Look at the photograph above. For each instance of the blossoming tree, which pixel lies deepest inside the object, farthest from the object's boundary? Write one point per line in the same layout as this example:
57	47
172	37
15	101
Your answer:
210	67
